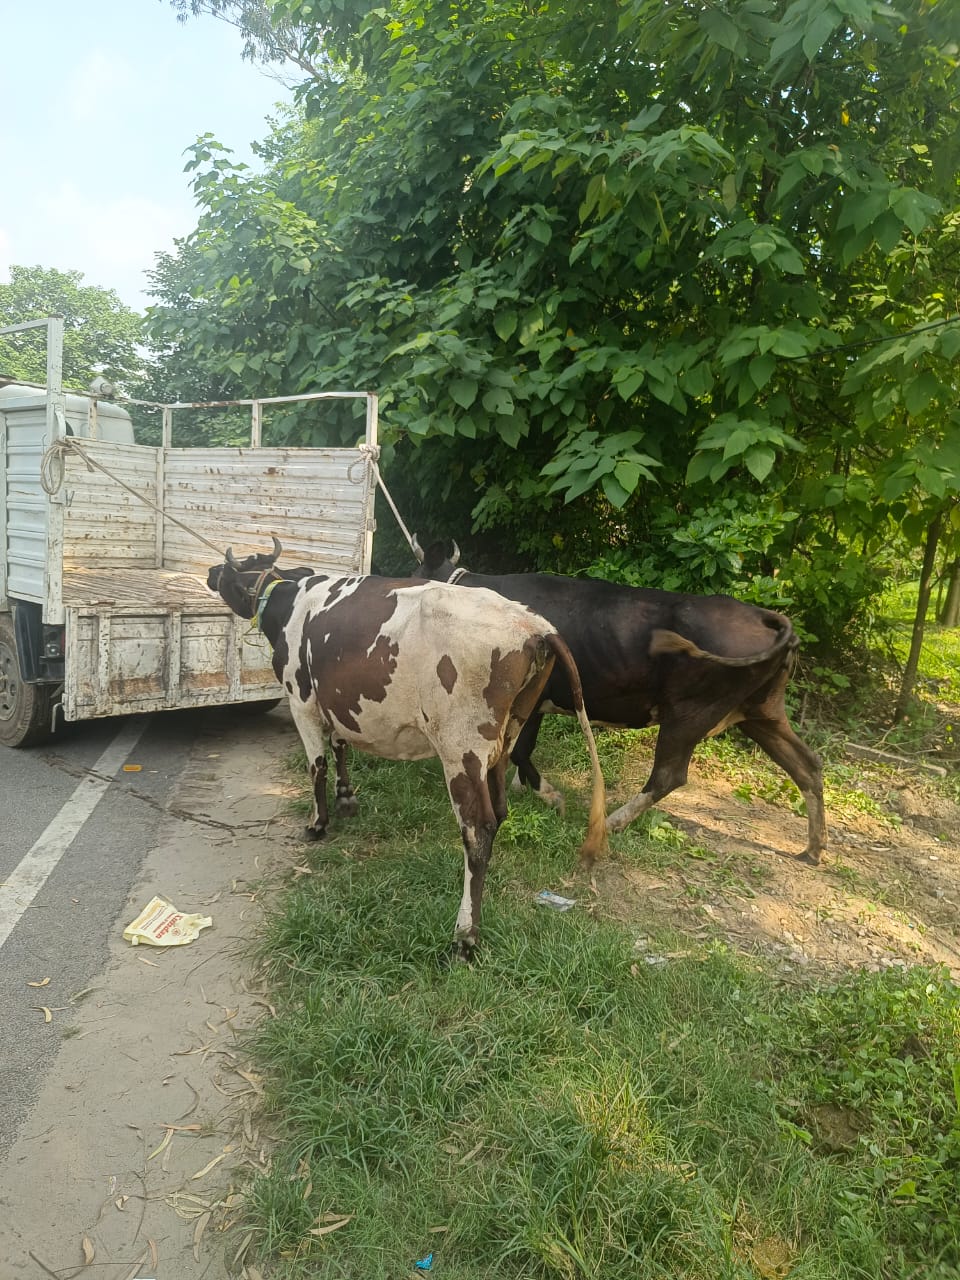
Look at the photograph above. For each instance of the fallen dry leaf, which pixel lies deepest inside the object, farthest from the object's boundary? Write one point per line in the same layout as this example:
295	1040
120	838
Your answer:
207	1167
154	1253
47	1015
152	963
165	1142
43	983
340	1221
244	1246
88	1251
198	1231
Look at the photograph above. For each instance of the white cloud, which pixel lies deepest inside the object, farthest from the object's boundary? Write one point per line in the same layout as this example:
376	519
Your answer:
111	239
97	88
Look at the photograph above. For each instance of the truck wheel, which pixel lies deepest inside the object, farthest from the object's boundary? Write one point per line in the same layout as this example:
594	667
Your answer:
24	708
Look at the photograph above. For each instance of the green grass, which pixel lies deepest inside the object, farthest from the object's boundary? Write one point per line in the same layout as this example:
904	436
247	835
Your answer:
933	724
564	1110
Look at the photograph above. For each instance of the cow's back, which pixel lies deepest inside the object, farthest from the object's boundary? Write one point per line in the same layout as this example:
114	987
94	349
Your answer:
608	628
396	665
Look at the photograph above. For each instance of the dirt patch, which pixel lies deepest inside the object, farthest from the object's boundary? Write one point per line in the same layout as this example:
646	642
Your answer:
886	893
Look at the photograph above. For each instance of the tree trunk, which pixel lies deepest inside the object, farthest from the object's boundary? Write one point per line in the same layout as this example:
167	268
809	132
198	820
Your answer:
920	617
950	613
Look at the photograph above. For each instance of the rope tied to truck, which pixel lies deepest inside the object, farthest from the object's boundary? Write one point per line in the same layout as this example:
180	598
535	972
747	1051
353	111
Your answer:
52	469
370	453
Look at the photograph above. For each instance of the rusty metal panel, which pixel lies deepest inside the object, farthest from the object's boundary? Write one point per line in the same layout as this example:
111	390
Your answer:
104	524
319	502
125	660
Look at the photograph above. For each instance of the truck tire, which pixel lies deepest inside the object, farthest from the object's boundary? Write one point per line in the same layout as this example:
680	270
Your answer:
24	708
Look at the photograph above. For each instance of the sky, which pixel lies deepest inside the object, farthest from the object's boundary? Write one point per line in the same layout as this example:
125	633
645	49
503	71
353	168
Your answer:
98	101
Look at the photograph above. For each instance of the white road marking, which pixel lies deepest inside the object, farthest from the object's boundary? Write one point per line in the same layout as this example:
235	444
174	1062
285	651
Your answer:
21	887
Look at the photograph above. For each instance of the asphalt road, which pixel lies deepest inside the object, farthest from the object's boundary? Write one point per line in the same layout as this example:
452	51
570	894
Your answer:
62	934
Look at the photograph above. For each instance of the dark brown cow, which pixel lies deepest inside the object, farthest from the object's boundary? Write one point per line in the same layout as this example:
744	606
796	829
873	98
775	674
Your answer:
409	670
692	664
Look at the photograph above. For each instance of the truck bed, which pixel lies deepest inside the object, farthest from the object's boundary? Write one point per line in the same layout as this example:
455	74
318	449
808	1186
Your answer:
154	639
137	589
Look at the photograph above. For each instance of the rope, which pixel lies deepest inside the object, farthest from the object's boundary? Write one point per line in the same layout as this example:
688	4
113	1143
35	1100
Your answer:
370	453
52	466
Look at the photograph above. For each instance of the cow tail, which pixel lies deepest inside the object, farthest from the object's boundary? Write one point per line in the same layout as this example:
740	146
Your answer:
671	642
595	842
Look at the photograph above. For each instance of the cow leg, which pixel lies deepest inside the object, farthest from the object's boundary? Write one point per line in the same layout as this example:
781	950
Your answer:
671	760
786	749
315	745
476	811
527	773
497	786
346	805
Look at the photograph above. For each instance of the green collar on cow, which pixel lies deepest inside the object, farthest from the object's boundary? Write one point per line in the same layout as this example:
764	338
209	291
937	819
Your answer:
262	603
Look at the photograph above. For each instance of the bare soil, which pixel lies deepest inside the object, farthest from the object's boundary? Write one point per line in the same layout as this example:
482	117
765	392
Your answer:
886	893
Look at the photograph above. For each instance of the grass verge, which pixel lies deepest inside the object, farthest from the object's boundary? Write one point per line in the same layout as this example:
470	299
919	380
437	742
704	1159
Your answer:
568	1108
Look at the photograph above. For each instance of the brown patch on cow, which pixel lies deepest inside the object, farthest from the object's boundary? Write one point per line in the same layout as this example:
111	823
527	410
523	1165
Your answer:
516	683
469	794
511	673
344	655
447	672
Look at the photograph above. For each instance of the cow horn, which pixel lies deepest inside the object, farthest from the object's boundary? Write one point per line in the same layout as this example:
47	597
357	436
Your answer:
230	559
456	553
277	548
416	548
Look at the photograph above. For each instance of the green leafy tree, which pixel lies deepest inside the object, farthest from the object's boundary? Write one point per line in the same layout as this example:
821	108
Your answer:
101	335
606	261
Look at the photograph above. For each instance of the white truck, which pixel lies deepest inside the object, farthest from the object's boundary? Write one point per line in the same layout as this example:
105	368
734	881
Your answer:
104	608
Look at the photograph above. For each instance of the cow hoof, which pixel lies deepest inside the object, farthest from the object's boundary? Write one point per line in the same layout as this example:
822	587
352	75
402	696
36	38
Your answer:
314	833
811	859
555	800
462	950
347	806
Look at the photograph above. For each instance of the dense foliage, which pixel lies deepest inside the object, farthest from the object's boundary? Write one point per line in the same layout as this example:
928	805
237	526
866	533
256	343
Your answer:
616	269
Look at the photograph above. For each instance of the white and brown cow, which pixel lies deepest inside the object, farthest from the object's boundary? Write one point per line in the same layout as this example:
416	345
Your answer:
408	670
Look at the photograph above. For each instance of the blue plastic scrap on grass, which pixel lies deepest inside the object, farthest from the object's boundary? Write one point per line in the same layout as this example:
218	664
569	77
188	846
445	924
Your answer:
424	1264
